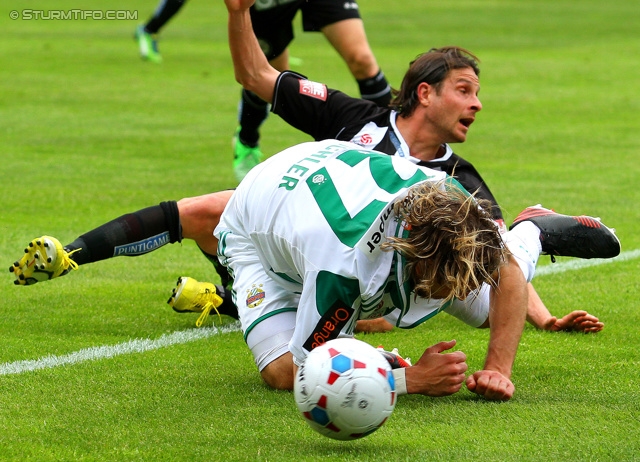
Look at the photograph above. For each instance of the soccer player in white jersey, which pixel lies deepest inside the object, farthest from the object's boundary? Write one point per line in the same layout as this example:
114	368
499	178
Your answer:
326	233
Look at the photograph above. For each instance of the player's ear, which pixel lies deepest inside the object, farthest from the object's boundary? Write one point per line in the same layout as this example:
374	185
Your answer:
423	93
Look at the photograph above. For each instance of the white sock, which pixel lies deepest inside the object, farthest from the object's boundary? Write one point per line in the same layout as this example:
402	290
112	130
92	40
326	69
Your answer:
524	243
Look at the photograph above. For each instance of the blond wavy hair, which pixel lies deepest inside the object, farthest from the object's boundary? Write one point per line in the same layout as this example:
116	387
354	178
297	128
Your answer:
453	244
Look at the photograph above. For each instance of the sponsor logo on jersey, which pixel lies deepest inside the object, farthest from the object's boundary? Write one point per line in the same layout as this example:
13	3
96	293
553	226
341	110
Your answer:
329	326
313	89
370	243
369	136
255	296
144	246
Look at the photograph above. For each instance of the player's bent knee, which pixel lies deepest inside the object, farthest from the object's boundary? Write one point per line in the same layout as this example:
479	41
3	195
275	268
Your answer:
278	374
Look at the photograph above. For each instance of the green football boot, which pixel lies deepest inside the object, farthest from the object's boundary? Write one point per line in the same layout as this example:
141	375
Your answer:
245	157
148	46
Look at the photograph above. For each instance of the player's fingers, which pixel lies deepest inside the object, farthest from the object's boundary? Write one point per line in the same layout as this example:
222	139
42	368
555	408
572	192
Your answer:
480	383
577	313
594	328
491	385
471	383
456	386
589	326
500	391
440	347
497	387
550	323
586	317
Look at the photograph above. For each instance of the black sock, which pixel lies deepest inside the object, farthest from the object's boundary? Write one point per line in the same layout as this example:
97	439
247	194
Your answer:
225	277
376	89
131	234
165	11
252	112
228	307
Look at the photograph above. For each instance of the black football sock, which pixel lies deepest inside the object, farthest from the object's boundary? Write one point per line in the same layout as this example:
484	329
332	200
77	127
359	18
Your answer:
225	277
129	235
228	307
165	11
253	111
376	89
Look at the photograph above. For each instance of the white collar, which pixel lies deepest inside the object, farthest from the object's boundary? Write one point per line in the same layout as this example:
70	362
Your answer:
402	148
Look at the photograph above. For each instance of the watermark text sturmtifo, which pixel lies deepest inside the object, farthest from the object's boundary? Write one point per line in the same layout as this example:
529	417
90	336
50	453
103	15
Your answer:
74	15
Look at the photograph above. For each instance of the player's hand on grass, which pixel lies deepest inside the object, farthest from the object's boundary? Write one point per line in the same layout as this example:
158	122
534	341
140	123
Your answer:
437	373
491	385
578	321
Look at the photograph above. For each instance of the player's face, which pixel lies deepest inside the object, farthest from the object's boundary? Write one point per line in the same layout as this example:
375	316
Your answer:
454	108
443	292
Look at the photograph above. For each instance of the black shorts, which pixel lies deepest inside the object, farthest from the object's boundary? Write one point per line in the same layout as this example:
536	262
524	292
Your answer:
272	20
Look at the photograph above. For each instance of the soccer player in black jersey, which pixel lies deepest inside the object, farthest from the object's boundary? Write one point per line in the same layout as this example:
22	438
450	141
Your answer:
436	104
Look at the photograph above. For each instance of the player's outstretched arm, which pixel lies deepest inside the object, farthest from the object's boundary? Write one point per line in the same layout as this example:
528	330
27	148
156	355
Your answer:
507	315
252	70
580	321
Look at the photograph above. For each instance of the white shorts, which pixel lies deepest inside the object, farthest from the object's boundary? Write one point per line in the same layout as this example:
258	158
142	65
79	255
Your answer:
266	309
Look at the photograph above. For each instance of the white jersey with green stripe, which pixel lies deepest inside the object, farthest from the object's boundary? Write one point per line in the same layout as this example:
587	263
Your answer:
316	215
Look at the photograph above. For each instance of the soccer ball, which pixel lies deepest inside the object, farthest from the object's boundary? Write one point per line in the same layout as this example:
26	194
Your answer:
345	389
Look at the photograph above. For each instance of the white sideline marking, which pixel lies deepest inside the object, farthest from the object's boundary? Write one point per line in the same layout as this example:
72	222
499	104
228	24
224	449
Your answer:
185	336
109	351
579	264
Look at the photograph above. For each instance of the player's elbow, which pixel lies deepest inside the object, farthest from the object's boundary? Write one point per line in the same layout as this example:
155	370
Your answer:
261	84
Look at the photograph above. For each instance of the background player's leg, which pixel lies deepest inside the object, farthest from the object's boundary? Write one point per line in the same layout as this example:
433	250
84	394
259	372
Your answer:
349	39
145	34
252	112
166	10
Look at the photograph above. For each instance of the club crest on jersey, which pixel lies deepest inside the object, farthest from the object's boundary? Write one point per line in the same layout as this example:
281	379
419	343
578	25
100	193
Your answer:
370	135
255	296
313	89
365	139
318	179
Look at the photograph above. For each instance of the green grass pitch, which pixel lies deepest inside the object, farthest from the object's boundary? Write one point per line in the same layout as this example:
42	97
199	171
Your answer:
88	132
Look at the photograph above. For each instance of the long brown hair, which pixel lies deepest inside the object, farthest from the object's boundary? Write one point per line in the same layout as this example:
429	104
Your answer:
453	244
